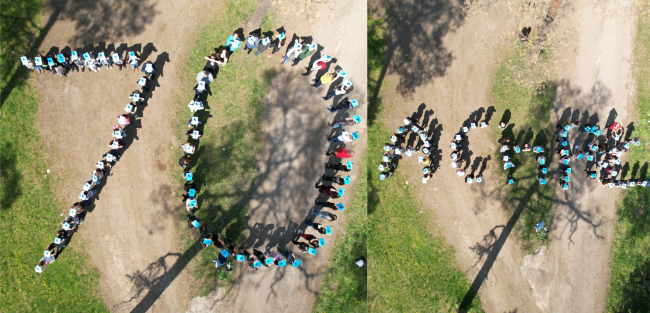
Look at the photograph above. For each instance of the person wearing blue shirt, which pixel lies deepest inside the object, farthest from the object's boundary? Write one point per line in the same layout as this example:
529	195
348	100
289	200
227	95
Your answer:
251	43
233	43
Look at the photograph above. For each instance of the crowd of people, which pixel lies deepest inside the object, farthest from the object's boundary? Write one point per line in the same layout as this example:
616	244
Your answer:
456	145
62	64
226	249
604	151
394	149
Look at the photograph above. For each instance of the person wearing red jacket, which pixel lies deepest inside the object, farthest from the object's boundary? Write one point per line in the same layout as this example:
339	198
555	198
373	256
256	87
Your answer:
341	153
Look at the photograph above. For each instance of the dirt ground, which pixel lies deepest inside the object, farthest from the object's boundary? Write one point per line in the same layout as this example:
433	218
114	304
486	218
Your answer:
294	128
130	235
130	228
599	87
441	65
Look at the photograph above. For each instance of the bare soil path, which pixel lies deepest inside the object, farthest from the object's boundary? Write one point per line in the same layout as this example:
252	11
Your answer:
599	89
443	74
572	276
294	129
131	234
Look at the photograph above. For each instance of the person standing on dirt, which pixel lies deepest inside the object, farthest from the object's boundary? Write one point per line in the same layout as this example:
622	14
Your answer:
293	52
341	153
116	144
233	43
134	61
325	79
276	45
117	59
149	69
307	51
251	42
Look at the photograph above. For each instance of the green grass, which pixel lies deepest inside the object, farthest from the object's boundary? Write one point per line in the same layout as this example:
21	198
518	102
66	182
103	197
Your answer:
345	289
224	164
411	268
525	91
630	254
29	213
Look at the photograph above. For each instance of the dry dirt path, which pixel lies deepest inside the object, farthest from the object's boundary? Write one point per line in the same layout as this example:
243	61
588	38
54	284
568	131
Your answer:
445	76
294	129
130	235
573	276
599	88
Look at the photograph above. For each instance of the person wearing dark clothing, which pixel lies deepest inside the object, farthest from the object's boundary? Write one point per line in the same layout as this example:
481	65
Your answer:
325	204
318	227
329	191
335	179
313	241
343	104
337	167
303	247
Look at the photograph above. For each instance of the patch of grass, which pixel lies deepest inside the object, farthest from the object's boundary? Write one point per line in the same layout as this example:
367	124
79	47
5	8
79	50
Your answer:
522	92
224	164
411	269
29	213
630	254
345	289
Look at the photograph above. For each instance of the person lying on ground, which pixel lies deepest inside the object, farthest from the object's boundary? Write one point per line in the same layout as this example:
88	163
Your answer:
344	122
310	238
326	215
329	191
318	227
341	153
318	65
325	79
339	90
133	61
343	104
325	204
335	179
344	136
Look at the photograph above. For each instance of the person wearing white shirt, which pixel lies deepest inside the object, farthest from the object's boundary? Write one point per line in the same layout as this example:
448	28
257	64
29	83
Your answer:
345	137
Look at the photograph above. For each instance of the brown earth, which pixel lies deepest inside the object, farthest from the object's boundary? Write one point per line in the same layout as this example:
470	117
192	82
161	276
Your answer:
294	129
441	62
130	233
